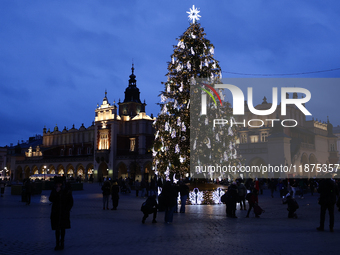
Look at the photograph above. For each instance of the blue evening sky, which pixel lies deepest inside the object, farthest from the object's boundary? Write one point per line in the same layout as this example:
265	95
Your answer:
58	57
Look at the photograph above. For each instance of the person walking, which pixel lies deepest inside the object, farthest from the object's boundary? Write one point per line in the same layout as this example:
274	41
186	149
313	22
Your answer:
106	188
241	192
115	195
252	200
169	194
272	186
2	187
143	188
137	187
312	185
28	191
184	193
293	185
231	201
62	202
328	194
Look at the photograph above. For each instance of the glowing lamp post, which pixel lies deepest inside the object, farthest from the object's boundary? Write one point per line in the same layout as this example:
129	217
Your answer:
44	172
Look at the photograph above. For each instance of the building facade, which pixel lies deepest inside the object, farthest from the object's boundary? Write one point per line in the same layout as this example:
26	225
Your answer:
288	140
117	144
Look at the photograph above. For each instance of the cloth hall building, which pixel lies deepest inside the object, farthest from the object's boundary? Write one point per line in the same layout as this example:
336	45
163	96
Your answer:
117	144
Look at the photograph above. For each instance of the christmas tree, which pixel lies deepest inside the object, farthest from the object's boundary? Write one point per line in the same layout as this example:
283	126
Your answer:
183	134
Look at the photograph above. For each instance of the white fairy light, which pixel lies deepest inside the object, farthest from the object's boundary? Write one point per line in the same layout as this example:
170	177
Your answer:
173	133
178	121
181	159
181	88
189	66
166	126
230	131
177	150
165	109
179	68
184	128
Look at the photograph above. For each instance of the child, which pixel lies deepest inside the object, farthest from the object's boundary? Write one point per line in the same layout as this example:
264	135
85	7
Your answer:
292	206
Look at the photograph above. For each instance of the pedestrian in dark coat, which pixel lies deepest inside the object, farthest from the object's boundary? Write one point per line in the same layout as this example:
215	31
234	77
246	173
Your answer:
328	194
184	192
106	188
62	202
169	194
28	191
115	195
241	192
232	198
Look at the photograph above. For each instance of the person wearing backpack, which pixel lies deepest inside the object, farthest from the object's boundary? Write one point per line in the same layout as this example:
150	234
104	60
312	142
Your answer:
292	206
150	207
328	194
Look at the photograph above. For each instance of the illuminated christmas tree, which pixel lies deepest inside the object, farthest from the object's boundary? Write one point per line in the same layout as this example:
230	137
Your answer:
191	61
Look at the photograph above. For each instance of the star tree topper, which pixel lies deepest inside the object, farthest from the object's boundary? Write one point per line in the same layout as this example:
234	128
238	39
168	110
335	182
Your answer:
193	14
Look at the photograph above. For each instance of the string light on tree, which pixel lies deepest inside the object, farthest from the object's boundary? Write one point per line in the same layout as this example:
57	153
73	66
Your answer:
192	58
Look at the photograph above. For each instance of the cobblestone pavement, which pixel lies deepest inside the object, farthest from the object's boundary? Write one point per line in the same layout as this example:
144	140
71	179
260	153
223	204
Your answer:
202	229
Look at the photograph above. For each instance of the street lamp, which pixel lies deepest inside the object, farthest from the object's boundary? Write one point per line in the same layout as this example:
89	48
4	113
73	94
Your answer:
44	172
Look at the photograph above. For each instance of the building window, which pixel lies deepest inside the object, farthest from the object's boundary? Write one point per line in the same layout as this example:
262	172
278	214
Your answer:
132	144
243	138
62	152
79	151
332	147
104	140
254	139
264	137
88	150
70	151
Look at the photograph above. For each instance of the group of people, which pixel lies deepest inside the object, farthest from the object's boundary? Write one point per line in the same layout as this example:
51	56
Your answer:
326	187
238	192
167	201
110	190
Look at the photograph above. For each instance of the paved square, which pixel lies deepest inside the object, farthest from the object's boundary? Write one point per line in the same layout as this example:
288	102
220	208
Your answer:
202	229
